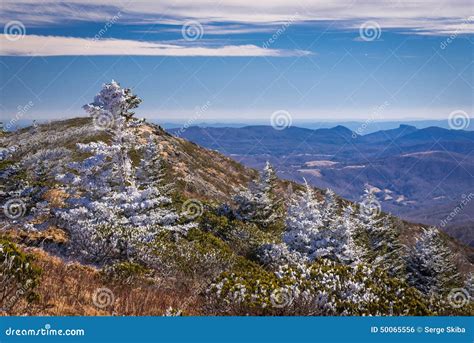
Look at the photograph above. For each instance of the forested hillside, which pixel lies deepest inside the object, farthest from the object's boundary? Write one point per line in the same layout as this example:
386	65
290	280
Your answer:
112	215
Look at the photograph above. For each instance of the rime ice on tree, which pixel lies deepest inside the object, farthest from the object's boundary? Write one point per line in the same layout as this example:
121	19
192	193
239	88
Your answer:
430	265
257	204
110	214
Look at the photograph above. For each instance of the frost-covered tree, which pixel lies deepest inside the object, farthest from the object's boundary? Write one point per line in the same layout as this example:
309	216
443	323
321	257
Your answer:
304	223
368	221
329	210
388	250
151	172
268	179
321	288
469	285
113	103
379	236
109	216
275	255
369	212
44	164
11	183
350	249
15	190
258	203
430	265
112	111
316	229
25	181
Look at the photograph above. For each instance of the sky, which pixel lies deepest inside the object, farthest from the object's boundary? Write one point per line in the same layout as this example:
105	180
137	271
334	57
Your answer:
240	60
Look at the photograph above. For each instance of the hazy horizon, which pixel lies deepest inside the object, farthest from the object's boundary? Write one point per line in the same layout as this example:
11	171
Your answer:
369	126
240	60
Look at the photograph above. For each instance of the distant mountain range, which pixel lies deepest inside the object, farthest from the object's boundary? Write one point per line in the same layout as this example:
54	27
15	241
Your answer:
422	175
362	127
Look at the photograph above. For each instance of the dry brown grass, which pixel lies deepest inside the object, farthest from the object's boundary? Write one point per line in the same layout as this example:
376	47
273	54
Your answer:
27	237
56	197
68	289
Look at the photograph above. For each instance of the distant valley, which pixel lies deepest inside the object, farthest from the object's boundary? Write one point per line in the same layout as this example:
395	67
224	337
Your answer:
422	175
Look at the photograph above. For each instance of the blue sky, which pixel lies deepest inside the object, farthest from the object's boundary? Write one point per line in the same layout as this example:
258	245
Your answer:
238	60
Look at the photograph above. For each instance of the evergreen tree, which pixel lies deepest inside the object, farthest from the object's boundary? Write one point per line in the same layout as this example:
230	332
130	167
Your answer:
351	251
469	286
369	211
304	223
316	230
388	249
329	209
368	221
430	265
24	183
258	203
15	192
113	103
151	170
109	215
380	236
112	111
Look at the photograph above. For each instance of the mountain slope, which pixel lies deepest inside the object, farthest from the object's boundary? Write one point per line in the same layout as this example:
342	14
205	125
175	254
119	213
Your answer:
384	135
197	173
194	170
205	174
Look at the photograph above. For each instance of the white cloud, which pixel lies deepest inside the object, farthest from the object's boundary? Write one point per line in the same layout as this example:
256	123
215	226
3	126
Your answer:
32	45
425	17
212	30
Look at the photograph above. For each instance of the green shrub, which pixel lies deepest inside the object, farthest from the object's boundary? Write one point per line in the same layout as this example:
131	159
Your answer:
322	288
200	256
124	272
18	275
243	238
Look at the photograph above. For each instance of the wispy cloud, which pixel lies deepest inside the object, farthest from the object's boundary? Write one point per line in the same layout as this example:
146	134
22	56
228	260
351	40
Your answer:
33	45
441	17
219	30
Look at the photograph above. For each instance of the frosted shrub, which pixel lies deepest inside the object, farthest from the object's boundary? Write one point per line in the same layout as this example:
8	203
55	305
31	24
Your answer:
322	288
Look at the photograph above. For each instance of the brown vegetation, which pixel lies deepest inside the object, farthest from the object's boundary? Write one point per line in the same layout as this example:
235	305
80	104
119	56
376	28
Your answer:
69	289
